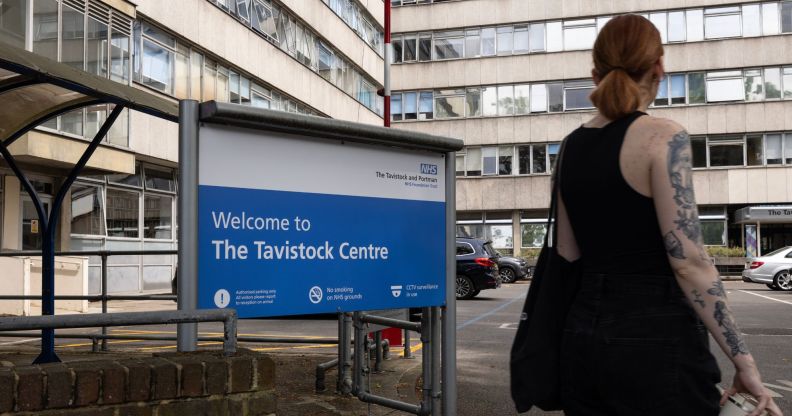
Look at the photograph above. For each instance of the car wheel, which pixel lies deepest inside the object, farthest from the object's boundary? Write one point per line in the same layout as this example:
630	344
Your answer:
772	286
464	287
507	275
783	280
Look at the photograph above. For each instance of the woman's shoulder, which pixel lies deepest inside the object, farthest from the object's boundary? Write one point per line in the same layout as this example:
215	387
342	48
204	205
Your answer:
658	130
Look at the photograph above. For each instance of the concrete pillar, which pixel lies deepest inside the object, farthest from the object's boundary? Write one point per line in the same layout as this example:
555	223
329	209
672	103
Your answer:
12	223
516	233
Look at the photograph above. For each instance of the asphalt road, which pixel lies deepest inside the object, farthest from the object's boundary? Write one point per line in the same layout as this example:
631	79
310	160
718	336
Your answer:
486	327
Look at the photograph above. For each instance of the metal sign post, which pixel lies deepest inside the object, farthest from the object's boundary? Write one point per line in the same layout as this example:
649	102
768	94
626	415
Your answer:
187	285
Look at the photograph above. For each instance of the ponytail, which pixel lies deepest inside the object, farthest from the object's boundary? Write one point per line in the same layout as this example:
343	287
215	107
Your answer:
626	49
617	95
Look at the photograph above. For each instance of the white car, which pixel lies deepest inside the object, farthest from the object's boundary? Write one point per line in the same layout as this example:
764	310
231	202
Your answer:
773	269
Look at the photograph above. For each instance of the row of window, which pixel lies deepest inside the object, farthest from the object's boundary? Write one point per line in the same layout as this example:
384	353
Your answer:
498	227
527	159
693	25
286	32
410	2
742	150
88	36
128	206
360	21
755	84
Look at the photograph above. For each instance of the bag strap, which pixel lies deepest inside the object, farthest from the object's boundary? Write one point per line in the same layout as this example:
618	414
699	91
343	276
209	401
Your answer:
553	213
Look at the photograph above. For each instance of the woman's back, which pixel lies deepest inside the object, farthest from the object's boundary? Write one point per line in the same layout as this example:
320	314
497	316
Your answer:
614	221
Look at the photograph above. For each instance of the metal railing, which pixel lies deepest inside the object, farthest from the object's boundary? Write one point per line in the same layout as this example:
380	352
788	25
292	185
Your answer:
103	296
227	316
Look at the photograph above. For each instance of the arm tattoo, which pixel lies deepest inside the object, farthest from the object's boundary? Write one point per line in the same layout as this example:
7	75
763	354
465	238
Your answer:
717	289
730	331
674	246
679	171
698	299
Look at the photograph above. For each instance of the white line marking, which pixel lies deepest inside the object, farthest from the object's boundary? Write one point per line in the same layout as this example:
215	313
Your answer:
766	297
776	386
23	341
508	326
787	382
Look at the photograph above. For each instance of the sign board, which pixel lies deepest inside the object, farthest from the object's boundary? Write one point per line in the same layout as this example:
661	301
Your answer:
299	225
774	215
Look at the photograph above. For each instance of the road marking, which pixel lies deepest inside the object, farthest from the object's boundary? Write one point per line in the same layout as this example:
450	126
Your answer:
170	347
23	341
88	344
766	297
142	332
413	348
492	312
508	326
776	386
305	347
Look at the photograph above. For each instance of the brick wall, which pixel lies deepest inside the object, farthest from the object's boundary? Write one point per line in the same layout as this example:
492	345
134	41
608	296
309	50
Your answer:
192	384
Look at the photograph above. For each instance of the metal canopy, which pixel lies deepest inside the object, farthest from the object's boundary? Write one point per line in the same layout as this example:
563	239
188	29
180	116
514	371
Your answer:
259	118
34	89
764	214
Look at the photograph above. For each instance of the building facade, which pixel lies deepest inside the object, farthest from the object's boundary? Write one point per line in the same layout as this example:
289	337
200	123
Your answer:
512	78
318	57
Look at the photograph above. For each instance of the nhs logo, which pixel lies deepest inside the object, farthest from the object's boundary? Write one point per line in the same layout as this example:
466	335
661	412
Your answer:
427	169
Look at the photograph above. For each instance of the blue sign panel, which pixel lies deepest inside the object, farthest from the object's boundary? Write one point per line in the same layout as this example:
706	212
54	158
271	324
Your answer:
290	226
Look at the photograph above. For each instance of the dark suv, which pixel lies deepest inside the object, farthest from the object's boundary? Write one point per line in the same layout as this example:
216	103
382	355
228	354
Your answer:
477	267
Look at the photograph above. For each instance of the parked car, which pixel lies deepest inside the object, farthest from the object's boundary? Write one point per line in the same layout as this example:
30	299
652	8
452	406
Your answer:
477	267
513	269
772	269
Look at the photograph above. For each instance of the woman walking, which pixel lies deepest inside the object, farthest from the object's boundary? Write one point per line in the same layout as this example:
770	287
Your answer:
635	341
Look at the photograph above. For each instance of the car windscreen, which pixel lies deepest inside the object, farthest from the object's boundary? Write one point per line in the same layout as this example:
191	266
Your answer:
489	250
776	252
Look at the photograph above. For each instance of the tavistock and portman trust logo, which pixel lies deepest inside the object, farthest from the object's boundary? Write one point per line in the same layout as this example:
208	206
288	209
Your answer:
396	291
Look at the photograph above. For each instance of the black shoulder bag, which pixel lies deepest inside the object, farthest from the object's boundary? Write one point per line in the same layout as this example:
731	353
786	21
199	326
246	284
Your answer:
535	354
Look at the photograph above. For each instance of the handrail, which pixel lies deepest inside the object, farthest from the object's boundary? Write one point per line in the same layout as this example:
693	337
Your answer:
227	316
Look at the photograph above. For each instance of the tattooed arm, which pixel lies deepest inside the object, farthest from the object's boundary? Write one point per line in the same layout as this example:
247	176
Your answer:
675	202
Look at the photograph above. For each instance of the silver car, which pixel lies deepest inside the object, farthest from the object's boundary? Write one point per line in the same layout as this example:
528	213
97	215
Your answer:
772	269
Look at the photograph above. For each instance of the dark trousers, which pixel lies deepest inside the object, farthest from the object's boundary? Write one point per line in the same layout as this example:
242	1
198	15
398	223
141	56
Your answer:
634	346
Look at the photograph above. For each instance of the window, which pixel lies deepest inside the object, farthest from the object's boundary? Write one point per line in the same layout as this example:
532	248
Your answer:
579	34
489	160
263	19
696	88
552	154
521	39
45	27
489	101
410	104
122	213
13	22
450	103
536	35
464	249
726	151
72	37
661	98
425	110
677	89
472	43
660	20
788	148
786	17
425	47
602	21
505	160
538	98
524	159
754	150
521	99
754	90
460	163
448	45
676	27
539	159
770	19
772	83
787	82
396	45
160	180
555	94
488	41
533	232
410	48
576	94
752	20
87	210
722	22
505	40
699	149
505	100
695	25
773	149
725	86
555	37
157	216
713	232
473	161
396	107
473	102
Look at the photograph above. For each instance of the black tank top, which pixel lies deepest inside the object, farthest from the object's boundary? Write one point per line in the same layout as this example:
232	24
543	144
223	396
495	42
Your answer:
615	226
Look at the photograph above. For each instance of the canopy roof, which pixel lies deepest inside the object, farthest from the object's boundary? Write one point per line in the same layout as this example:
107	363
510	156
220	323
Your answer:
34	89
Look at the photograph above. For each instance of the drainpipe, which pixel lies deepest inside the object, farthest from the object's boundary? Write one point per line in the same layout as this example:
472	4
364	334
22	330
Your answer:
388	60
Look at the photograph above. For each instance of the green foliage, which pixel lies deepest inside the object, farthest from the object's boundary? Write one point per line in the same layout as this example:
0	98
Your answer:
530	253
720	251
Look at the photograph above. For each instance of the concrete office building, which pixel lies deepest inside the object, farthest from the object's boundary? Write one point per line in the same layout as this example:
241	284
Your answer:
512	78
320	57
